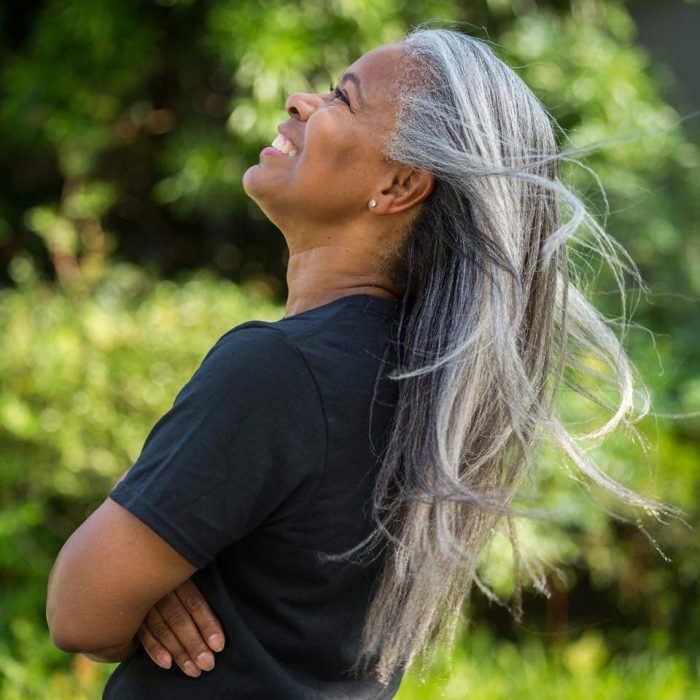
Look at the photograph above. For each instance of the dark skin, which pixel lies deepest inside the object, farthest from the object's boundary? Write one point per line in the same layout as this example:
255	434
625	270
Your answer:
319	198
105	604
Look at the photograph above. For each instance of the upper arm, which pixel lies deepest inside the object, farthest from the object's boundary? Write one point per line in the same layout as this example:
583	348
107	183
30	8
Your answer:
244	441
108	575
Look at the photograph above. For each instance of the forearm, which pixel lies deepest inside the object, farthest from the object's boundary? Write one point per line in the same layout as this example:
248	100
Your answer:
61	597
80	617
114	654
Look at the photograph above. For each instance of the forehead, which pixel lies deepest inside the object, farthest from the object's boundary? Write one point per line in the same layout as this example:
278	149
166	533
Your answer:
378	72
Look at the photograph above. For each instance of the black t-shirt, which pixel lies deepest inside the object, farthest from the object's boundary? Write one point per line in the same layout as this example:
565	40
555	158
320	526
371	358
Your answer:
267	457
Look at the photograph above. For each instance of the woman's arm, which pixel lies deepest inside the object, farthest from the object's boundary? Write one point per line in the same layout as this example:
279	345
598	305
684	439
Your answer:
106	578
114	654
174	629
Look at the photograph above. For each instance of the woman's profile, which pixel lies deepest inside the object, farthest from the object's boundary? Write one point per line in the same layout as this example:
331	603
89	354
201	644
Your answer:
328	480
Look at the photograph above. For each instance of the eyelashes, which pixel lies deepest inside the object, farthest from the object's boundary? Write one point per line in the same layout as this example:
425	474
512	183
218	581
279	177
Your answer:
340	95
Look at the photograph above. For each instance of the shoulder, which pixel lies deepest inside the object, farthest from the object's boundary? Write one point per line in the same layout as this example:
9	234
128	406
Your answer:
258	357
250	339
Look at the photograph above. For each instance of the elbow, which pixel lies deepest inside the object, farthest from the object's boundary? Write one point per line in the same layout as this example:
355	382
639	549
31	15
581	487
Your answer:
62	641
60	632
64	644
56	631
65	635
59	635
65	640
69	632
51	612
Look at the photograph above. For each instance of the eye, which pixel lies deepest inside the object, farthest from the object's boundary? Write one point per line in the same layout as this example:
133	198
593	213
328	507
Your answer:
340	95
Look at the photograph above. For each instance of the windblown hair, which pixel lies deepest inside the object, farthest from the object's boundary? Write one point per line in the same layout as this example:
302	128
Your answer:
491	320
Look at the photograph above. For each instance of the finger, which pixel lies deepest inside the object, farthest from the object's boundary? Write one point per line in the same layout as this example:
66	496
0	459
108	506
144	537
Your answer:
158	653
161	631
177	617
202	614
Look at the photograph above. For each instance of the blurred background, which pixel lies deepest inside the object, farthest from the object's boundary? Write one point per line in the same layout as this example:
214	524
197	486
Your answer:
127	247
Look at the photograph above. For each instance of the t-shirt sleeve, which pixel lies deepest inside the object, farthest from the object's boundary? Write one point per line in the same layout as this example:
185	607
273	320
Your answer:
244	441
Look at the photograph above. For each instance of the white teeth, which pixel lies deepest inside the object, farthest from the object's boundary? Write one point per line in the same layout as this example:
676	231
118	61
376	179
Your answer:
284	144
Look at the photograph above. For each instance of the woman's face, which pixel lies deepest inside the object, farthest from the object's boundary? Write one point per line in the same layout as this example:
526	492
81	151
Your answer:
339	165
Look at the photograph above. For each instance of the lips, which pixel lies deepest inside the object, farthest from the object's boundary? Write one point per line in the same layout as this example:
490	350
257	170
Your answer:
284	130
283	144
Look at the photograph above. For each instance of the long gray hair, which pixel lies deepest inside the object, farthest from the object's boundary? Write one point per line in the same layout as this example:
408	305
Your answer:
491	318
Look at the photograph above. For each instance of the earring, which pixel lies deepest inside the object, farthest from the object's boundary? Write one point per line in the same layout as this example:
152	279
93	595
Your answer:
372	203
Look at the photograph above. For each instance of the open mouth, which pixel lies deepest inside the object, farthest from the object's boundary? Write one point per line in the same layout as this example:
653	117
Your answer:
282	143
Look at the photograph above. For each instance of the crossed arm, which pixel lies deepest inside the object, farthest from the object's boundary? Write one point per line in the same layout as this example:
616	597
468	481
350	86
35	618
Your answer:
87	583
110	572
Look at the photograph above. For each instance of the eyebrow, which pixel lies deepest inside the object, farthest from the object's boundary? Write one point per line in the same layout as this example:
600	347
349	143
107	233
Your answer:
354	79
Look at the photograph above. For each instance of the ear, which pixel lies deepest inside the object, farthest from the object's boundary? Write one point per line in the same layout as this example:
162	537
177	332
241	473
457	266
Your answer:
408	188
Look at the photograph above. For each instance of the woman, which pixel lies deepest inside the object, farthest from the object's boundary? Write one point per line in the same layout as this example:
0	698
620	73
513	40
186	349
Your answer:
333	475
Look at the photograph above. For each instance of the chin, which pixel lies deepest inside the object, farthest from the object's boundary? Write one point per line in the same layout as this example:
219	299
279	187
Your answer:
255	190
253	183
261	188
248	175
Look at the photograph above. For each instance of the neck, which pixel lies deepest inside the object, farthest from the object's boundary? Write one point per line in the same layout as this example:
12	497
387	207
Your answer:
321	274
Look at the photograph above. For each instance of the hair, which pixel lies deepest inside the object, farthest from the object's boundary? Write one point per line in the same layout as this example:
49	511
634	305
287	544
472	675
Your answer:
493	320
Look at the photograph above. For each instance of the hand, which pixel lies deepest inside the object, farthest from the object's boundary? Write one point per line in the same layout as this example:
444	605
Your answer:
177	626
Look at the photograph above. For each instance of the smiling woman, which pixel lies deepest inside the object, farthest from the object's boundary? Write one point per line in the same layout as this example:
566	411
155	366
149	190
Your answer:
394	410
322	193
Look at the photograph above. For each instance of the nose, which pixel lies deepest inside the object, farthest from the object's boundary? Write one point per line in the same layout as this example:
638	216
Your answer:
302	104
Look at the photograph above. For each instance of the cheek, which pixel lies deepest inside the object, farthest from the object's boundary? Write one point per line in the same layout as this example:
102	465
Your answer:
344	166
339	163
347	173
333	143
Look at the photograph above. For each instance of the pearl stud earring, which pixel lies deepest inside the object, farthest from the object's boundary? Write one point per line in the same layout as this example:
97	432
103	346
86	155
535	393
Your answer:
372	203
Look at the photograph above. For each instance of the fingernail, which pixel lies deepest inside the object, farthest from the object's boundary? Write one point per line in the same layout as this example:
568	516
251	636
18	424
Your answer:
191	669
164	661
216	642
205	661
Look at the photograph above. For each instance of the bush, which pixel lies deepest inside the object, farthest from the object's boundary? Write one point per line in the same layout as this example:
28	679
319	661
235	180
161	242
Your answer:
84	380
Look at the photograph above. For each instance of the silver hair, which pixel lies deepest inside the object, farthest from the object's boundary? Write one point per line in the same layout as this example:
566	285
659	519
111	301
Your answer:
492	316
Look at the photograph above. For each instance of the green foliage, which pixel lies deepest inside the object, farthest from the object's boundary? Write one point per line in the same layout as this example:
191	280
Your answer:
125	130
169	103
84	380
70	82
481	667
579	670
